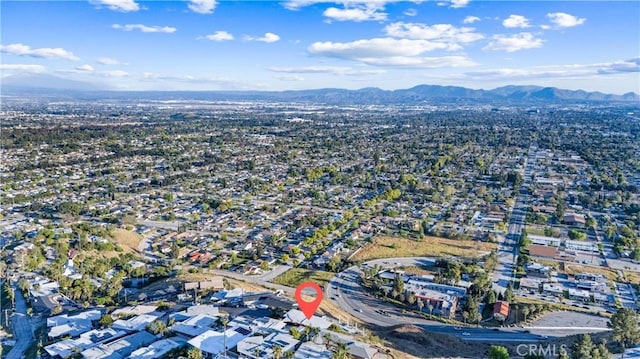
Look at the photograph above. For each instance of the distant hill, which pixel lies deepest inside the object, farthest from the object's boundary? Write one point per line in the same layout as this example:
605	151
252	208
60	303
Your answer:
47	85
26	82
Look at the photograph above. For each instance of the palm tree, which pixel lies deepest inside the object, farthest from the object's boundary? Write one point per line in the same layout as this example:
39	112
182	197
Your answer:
277	351
430	308
224	320
256	353
525	312
341	351
465	316
326	339
420	304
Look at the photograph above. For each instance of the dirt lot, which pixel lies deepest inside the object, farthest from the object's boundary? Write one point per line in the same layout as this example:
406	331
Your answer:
420	344
128	240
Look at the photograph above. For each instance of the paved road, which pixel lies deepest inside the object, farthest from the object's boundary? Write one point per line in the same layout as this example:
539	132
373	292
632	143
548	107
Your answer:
251	279
347	292
270	275
161	224
508	245
22	329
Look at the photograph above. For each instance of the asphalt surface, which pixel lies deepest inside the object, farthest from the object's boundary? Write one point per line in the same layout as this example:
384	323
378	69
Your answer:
347	292
22	329
508	245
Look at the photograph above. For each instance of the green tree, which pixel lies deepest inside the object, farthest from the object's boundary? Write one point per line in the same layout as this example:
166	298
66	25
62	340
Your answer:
175	250
411	299
601	352
157	327
340	351
334	263
490	297
398	284
194	353
625	327
24	285
508	294
582	347
498	352
525	312
295	333
105	321
277	352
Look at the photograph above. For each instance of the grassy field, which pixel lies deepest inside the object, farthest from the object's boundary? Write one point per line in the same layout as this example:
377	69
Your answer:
387	247
535	231
559	306
128	240
294	276
633	277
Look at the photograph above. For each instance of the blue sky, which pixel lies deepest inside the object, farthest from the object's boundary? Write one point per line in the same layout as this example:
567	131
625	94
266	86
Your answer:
302	44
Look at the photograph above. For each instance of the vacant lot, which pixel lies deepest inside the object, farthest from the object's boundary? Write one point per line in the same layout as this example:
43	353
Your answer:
128	240
388	247
294	276
633	277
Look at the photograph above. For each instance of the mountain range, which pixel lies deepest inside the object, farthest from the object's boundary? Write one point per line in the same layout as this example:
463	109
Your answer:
38	85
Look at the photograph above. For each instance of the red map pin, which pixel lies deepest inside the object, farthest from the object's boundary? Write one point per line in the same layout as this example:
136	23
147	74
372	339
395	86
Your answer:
308	308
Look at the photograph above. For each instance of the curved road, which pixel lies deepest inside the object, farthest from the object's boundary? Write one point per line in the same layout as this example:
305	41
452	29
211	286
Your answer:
345	290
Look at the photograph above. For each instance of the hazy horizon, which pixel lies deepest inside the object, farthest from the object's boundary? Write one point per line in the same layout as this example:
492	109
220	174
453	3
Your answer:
207	45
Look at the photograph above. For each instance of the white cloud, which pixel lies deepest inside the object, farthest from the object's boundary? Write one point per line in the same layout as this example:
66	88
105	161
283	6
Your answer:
516	21
219	36
559	71
290	78
43	52
85	68
202	6
377	47
298	4
564	20
109	61
411	12
268	37
357	14
420	62
631	65
311	69
470	19
521	41
117	5
391	52
114	73
219	82
438	32
22	68
145	28
459	3
335	70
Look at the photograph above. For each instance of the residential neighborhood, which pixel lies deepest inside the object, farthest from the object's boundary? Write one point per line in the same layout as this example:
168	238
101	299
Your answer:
179	230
